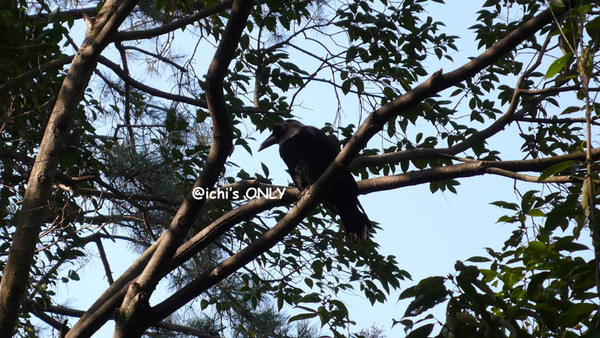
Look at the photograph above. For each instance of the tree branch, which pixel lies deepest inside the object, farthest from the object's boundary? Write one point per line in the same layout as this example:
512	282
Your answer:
66	311
474	168
77	13
159	57
169	96
131	318
32	214
173	26
105	263
30	74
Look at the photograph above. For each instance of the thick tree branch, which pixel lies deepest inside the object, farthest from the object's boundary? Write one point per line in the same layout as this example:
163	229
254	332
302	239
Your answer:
66	311
131	318
474	168
32	214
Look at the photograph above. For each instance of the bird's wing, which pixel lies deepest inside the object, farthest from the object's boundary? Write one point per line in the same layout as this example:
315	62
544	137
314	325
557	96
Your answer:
307	154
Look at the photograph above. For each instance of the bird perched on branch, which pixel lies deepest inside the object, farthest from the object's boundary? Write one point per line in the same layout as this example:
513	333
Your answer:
307	152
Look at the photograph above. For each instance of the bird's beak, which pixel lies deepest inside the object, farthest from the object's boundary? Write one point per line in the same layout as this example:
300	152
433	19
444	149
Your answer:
271	140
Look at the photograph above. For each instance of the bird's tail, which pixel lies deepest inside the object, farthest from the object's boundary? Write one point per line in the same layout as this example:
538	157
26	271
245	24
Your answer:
356	222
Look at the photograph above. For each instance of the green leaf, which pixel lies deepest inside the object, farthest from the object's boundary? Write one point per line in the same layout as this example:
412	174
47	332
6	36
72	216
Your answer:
593	26
577	312
346	86
360	85
558	65
478	259
408	293
160	4
422	332
567	244
580	309
536	213
302	316
506	205
537	247
555	169
311	298
428	293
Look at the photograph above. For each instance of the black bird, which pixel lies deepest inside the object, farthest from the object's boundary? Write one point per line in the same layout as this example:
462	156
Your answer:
307	152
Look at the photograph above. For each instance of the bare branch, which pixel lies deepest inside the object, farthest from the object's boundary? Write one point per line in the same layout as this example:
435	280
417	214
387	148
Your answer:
557	120
173	26
173	97
159	57
77	13
105	263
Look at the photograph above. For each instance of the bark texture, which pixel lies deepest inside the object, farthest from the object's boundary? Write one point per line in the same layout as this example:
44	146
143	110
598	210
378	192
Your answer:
33	213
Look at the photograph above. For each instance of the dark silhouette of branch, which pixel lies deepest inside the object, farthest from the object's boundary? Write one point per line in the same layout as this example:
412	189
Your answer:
494	128
30	74
147	89
557	120
127	95
159	57
169	96
105	263
474	168
39	186
173	26
77	13
66	311
131	317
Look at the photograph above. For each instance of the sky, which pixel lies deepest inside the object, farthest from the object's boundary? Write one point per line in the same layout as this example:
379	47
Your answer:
426	232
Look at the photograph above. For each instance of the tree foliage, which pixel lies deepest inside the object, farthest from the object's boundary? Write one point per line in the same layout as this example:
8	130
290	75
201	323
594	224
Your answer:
119	135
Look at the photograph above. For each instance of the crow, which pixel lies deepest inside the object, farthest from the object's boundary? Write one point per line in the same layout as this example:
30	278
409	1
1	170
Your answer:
307	152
